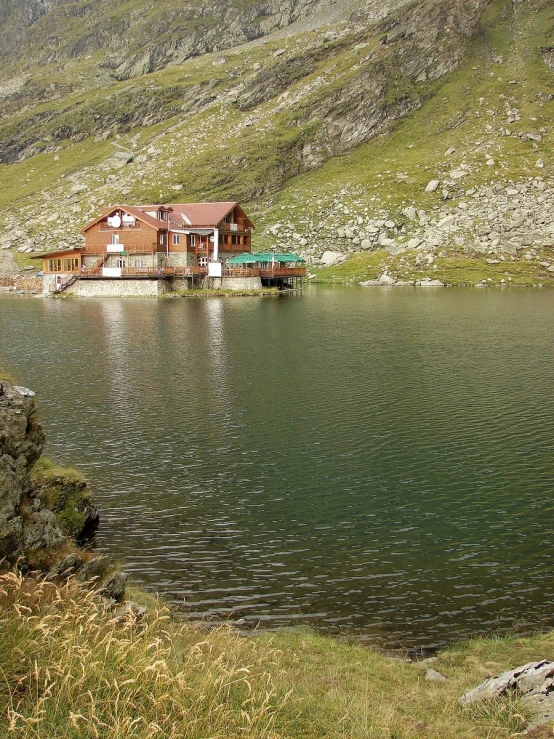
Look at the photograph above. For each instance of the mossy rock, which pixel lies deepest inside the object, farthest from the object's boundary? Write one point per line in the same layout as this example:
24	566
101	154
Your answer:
65	492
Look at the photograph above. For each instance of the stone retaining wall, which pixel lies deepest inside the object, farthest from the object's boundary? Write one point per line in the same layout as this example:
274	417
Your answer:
116	288
235	283
113	288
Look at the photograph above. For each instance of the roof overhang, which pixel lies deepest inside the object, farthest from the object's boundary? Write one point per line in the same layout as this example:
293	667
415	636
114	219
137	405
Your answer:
59	253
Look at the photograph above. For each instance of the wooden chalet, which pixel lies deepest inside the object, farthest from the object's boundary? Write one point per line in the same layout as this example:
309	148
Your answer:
154	242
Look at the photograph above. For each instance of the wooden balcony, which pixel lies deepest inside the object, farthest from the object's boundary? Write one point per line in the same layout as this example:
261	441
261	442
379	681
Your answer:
123	227
241	272
283	272
149	273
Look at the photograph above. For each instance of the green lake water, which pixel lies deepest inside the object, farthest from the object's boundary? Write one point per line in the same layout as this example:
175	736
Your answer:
376	461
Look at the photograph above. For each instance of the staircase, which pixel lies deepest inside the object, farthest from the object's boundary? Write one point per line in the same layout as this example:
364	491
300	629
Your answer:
72	279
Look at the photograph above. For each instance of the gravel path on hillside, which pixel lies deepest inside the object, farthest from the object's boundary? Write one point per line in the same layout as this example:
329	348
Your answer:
8	265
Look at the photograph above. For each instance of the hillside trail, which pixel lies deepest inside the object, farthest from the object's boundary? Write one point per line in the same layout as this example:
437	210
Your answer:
8	265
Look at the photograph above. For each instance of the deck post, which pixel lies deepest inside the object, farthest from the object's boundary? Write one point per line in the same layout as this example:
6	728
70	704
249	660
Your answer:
216	244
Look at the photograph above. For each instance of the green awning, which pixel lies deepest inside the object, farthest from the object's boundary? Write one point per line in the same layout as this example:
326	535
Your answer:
267	258
288	258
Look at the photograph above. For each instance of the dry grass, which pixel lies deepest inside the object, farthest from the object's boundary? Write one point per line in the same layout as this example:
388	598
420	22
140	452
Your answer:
69	669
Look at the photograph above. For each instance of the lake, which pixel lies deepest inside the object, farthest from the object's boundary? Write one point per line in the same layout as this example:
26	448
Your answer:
372	461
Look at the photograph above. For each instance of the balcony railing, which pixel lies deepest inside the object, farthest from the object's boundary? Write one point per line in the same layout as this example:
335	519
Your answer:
265	272
241	272
283	272
100	270
123	227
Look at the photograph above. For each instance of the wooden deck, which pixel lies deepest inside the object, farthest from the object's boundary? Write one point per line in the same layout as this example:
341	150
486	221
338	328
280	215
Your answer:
267	273
95	272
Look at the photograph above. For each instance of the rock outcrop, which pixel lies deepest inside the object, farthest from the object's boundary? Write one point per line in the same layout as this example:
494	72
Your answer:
533	683
21	444
44	510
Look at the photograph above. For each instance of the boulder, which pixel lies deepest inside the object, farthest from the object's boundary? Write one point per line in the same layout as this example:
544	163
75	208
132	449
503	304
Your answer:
532	682
410	213
446	222
330	258
428	282
95	569
65	566
114	587
434	676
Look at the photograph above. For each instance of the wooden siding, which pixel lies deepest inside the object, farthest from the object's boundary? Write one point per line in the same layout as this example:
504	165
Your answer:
143	238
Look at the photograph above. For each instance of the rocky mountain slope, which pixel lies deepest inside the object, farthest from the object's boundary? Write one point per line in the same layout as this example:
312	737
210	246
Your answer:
416	135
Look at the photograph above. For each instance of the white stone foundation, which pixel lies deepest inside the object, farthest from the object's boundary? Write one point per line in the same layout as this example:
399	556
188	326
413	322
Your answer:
235	283
148	288
112	288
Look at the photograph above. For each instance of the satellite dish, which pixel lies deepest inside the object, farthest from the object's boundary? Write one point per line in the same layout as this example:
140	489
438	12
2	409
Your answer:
116	221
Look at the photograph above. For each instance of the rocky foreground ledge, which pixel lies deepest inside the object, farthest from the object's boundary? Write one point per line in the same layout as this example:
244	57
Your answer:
45	511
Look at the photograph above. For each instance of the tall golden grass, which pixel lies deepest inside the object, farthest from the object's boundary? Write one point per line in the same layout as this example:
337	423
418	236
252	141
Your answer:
69	668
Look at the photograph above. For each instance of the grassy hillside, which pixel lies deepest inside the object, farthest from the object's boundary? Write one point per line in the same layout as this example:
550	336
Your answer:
72	669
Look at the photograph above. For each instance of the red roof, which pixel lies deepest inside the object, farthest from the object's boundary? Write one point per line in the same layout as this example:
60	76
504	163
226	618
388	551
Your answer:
200	214
142	216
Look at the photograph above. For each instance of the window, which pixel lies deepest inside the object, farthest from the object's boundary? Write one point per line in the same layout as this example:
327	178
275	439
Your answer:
193	239
162	239
121	263
202	261
54	265
139	263
176	239
115	238
70	265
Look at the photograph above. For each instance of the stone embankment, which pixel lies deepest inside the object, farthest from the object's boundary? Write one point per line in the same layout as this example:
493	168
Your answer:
44	514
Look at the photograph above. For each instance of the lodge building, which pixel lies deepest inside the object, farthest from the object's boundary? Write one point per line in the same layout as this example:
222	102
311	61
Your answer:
133	249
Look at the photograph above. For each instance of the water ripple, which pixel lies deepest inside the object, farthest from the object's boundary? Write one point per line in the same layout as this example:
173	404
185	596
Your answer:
373	461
